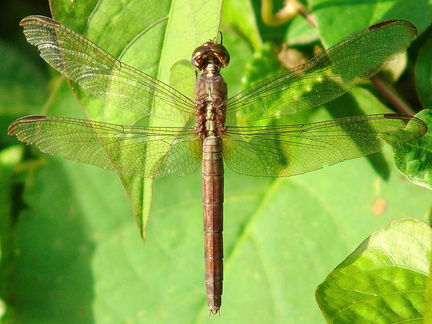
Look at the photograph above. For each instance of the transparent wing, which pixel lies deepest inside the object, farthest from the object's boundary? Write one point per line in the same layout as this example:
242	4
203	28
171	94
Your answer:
296	149
326	76
103	75
135	151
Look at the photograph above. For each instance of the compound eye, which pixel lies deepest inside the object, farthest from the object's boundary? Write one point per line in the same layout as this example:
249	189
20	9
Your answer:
199	55
210	50
221	54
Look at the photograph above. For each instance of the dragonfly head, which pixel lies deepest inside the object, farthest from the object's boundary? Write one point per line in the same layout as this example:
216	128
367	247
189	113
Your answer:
210	52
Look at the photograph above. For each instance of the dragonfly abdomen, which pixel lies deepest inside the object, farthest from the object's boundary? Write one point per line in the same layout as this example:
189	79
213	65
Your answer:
212	183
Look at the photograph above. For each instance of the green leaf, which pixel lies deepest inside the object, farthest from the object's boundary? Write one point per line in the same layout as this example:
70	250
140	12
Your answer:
262	65
9	158
414	159
424	74
27	91
300	32
239	16
337	19
383	280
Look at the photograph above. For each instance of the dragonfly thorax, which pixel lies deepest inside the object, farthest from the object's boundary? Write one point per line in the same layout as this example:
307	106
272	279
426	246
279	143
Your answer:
210	100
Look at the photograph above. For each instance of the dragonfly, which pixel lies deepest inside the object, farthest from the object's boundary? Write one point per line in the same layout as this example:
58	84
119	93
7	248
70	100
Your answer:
216	130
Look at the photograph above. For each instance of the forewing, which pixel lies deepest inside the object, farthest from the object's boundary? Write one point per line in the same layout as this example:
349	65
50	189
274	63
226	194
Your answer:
296	149
326	76
103	75
134	151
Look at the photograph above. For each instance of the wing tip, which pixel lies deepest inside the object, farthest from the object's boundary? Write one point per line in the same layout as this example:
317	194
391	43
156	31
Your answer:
12	129
388	23
36	18
417	125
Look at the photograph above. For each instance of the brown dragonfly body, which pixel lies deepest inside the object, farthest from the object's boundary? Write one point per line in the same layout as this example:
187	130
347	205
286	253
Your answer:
210	98
274	151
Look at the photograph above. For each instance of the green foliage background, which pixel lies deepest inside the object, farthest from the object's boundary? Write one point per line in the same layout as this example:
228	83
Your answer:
70	248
